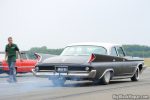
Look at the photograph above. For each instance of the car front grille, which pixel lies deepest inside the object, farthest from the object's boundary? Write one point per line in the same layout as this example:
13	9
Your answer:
46	68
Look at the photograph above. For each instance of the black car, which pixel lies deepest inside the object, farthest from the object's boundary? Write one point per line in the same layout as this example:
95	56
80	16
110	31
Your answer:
99	62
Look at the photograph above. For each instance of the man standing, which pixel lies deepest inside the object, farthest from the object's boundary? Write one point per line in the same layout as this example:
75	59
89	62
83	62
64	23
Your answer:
11	51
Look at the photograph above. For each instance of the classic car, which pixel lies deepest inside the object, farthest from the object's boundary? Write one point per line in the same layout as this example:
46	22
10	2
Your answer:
99	62
24	66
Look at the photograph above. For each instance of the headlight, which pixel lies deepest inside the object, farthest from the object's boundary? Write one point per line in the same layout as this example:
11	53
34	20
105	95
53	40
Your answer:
87	68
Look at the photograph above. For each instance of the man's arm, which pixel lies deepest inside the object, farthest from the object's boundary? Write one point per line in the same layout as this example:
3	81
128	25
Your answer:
18	52
6	56
6	53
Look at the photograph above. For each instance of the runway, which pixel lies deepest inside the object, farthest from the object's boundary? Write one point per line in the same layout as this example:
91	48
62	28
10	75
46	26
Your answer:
32	88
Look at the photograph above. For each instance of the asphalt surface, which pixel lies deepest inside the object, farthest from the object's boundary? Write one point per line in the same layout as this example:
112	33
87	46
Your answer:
32	88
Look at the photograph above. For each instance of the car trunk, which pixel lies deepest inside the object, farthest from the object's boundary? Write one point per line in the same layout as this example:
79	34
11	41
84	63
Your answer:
73	63
67	60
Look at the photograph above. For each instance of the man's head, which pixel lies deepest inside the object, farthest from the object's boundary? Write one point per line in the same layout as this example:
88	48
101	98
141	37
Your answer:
10	40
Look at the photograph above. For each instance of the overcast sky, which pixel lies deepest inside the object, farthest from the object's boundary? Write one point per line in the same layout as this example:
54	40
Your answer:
56	23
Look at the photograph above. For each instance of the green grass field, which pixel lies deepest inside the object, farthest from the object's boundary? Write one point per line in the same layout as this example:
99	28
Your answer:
147	62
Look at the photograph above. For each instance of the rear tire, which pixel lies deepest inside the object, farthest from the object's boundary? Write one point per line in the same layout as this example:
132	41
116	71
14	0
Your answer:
135	76
106	78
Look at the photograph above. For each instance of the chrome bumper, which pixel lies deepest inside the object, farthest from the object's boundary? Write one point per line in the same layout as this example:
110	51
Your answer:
90	74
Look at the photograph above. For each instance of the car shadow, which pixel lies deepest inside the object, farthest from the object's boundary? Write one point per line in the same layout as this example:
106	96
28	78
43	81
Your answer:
119	81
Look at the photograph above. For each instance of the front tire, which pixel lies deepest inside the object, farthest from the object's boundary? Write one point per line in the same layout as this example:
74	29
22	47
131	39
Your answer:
106	78
135	76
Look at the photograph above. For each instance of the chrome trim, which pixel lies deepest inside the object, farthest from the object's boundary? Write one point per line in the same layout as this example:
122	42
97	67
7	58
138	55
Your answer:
78	71
121	77
105	72
90	74
46	70
68	71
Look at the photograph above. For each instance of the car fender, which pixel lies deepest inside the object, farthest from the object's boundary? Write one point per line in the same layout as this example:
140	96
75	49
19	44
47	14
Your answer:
137	68
110	69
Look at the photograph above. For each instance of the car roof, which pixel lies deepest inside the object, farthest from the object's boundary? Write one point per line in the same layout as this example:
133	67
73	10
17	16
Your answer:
105	45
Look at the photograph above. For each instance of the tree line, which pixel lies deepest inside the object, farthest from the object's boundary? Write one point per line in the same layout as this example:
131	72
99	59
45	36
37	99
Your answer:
137	50
131	50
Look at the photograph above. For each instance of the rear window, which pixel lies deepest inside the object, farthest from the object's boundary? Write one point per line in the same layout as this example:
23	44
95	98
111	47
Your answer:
83	50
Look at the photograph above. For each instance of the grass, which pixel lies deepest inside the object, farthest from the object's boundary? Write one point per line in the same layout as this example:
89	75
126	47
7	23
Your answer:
147	61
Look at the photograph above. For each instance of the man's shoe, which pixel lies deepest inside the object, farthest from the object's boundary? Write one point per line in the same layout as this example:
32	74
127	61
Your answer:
15	81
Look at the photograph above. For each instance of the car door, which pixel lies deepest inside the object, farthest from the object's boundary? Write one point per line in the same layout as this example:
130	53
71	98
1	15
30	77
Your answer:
116	64
124	66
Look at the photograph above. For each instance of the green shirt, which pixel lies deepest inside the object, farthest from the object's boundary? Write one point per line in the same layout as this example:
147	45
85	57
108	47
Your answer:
11	51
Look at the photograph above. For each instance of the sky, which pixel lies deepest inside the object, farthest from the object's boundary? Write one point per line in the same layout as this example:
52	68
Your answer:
56	23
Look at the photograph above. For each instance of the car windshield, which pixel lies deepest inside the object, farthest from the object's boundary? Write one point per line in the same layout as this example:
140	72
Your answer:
83	50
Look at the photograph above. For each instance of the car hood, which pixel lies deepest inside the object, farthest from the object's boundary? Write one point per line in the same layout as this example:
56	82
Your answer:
67	59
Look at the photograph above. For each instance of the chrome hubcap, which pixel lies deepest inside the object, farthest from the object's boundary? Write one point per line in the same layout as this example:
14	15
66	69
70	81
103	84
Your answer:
107	77
137	74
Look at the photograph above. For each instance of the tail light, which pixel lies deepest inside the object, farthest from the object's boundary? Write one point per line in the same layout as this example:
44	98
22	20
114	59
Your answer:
37	56
92	58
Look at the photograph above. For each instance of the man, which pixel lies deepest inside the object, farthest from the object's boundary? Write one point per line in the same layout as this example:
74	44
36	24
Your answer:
11	51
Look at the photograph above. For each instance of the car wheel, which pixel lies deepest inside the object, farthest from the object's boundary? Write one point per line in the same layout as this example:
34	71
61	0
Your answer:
58	81
136	76
106	78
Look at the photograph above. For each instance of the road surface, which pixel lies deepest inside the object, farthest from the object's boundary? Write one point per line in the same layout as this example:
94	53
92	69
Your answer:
32	88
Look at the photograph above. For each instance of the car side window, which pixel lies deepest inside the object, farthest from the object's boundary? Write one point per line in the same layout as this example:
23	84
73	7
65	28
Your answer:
120	52
113	52
23	56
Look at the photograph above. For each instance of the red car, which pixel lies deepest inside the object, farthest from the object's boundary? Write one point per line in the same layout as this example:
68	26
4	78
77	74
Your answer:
24	66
